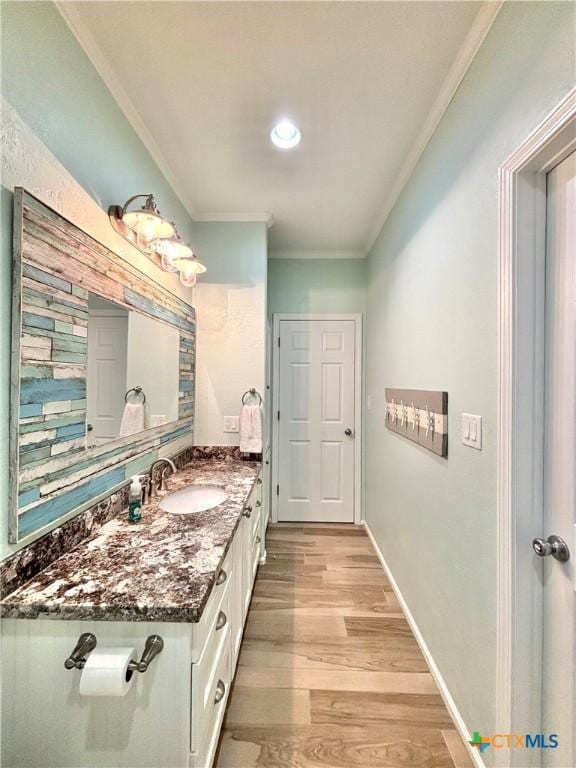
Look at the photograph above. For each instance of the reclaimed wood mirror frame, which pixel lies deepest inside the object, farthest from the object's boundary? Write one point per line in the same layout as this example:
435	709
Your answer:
55	267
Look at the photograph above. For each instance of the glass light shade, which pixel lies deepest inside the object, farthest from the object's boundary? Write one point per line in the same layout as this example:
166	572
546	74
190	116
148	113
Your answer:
188	275
189	264
172	250
147	225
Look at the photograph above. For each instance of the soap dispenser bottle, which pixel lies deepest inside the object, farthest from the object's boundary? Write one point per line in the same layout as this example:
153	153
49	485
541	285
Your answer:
135	500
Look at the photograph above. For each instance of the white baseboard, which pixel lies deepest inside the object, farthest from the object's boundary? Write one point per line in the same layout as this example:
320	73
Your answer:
442	687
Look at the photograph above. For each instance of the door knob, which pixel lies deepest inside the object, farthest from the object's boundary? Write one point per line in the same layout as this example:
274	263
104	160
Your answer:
554	546
348	432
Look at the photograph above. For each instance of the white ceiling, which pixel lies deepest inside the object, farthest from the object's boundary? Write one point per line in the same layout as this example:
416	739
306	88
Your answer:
203	82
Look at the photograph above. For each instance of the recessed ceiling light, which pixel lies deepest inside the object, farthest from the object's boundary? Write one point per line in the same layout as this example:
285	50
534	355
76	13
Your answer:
285	135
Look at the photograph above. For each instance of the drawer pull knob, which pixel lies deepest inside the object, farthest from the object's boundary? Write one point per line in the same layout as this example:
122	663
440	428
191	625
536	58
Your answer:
259	481
247	512
258	503
221	621
220	692
222	576
258	539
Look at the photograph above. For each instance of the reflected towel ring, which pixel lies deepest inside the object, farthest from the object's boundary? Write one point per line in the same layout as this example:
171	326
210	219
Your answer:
137	391
253	393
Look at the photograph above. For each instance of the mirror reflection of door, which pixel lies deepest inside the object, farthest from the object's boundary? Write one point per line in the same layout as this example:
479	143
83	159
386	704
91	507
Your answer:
107	356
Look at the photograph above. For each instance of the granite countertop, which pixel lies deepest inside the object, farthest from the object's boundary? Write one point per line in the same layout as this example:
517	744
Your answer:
161	569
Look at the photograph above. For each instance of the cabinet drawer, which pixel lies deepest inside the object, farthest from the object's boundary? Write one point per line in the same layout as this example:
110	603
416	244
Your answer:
205	628
204	671
210	689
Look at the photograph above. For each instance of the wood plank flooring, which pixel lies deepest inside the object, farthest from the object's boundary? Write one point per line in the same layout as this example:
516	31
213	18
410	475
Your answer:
330	675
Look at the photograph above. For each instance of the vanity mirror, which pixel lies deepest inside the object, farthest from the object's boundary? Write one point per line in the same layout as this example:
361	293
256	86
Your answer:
102	371
133	372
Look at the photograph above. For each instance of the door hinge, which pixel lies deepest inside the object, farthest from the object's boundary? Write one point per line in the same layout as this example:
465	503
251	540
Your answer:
278	340
277	490
278	415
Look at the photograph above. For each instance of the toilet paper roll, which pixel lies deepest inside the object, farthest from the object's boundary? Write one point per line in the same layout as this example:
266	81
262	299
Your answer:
106	672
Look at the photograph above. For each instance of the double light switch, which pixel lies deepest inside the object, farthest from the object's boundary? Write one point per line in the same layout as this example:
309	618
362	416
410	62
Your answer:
472	430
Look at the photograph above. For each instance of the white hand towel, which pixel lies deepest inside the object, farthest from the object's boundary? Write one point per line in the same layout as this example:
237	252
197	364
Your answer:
251	429
132	419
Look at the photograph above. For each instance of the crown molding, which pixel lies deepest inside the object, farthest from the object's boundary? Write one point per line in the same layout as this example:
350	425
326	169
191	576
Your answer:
317	254
265	218
468	50
91	48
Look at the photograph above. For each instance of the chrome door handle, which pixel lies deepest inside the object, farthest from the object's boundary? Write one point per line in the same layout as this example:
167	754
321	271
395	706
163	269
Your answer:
220	692
348	432
554	546
247	512
221	621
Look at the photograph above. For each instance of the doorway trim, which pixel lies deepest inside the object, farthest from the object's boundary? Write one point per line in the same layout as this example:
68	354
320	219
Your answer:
522	257
358	383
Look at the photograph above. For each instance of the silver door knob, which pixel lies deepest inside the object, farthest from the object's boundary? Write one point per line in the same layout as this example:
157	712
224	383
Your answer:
554	546
348	432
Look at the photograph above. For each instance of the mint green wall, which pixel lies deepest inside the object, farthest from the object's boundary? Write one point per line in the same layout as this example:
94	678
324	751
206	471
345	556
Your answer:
53	86
316	285
234	252
432	323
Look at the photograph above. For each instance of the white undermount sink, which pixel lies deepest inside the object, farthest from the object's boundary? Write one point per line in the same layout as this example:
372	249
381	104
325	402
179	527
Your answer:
196	498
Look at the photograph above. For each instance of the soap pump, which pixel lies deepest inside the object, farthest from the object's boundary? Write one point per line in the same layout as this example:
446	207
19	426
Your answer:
135	500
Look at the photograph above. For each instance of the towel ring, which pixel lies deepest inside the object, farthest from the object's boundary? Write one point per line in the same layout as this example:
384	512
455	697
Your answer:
137	391
252	393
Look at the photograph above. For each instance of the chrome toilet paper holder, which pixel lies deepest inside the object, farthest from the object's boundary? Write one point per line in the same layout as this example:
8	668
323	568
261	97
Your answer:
87	642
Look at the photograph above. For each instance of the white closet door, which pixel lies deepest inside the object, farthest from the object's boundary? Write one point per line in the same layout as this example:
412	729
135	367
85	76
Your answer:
316	429
559	673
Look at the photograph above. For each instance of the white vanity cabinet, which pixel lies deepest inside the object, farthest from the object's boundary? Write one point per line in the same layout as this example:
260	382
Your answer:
171	716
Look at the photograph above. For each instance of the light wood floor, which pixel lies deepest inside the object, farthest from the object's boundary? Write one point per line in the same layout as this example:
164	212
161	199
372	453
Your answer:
330	675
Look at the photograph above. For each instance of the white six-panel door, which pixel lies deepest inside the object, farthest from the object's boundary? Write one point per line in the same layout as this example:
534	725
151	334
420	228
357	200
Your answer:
559	579
316	429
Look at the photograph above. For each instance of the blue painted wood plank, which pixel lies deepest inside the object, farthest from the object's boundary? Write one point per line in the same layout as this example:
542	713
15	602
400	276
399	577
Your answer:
45	277
51	390
174	435
59	356
30	409
37	321
65	343
27	497
50	510
71	431
33	456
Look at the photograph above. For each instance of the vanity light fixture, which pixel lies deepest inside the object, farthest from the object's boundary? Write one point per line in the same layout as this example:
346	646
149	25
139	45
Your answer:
142	225
146	229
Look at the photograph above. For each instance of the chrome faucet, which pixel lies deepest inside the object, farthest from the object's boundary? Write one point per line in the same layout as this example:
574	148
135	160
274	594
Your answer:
160	488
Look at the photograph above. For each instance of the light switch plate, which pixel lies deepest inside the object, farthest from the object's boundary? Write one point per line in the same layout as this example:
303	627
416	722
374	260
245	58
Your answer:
472	430
231	424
